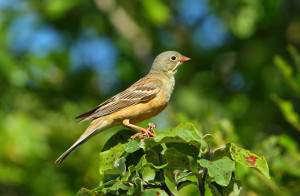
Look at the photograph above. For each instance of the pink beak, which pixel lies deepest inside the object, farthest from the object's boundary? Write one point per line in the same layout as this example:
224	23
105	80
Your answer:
184	58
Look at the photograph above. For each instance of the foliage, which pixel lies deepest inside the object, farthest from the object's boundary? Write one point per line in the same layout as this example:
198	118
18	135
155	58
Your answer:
59	59
291	75
181	156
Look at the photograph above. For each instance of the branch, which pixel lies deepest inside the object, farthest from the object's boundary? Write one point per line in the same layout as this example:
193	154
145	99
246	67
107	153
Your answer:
201	181
163	184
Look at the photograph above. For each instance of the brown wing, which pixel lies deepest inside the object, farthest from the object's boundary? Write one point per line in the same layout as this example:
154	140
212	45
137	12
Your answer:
142	91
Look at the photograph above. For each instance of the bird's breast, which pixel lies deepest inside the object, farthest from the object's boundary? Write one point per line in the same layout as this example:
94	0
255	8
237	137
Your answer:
168	87
141	111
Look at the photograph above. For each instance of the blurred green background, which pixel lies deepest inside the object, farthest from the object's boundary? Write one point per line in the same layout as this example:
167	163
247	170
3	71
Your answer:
59	59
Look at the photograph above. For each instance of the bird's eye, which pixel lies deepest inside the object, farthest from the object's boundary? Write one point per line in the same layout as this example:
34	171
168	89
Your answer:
173	58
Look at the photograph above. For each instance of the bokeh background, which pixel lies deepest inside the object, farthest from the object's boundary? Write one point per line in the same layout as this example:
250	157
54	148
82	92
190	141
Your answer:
60	58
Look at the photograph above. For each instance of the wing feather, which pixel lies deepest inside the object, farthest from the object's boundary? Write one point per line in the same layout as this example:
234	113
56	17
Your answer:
142	91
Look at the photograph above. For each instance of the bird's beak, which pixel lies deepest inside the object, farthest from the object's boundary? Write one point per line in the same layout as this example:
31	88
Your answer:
184	58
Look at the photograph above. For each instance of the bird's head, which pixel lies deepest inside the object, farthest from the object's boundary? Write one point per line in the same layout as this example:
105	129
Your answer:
168	62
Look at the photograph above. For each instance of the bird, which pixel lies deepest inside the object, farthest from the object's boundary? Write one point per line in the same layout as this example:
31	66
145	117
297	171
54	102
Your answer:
141	101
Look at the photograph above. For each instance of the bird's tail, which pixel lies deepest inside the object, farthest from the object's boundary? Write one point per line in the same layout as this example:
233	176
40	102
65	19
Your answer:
95	127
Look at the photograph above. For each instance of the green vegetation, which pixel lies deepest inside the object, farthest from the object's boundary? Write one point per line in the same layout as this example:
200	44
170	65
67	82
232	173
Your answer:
175	160
59	59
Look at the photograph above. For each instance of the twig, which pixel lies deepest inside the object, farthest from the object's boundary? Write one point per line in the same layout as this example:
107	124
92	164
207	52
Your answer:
163	184
201	181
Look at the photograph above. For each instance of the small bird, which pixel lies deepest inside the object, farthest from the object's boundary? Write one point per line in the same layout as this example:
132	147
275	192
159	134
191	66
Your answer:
143	100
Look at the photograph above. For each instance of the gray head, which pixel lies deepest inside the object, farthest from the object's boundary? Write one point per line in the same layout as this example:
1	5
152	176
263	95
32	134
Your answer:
168	62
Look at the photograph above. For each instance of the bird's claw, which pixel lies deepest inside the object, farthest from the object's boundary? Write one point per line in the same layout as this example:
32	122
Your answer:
150	126
145	133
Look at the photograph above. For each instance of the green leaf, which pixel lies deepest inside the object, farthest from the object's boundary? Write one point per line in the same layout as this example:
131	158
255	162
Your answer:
130	170
287	110
118	184
132	190
153	192
295	55
115	188
179	175
214	189
287	72
121	136
175	159
177	163
183	133
138	182
160	14
233	189
120	165
56	9
220	169
185	148
249	159
241	171
184	184
108	159
132	146
143	163
152	157
186	131
208	191
134	158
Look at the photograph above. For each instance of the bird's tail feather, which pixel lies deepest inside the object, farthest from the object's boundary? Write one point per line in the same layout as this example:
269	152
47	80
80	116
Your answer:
95	127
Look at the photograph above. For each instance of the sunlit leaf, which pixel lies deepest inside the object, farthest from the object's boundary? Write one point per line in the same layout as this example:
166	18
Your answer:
120	165
132	146
220	169
153	192
287	72
183	133
184	184
287	110
249	159
160	14
108	159
121	136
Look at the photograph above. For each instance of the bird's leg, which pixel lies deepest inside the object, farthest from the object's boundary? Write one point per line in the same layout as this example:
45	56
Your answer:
132	129
145	132
137	134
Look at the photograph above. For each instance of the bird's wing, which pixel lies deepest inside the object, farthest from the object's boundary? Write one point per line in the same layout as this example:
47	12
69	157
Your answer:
142	91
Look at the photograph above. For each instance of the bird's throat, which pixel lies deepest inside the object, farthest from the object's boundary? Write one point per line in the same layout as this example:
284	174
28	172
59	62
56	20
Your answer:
176	67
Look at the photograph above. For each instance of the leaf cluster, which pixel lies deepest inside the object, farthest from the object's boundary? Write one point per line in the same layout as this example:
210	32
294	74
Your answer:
171	161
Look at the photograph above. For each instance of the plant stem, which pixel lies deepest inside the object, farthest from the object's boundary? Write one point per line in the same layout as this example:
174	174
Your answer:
201	181
163	184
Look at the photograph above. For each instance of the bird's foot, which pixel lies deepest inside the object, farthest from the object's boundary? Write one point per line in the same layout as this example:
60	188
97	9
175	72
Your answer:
141	135
150	126
144	132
